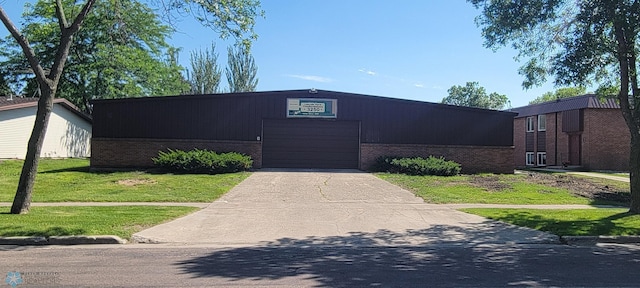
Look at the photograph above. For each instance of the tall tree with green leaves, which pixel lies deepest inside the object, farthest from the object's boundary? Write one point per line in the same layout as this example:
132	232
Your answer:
560	93
241	71
474	95
578	43
5	90
120	52
235	18
205	74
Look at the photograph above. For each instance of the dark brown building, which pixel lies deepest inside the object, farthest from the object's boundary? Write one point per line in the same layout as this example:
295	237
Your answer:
579	131
301	129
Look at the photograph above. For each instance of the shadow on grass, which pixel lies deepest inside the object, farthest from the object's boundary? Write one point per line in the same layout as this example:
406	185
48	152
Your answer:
368	259
85	169
9	231
587	227
611	198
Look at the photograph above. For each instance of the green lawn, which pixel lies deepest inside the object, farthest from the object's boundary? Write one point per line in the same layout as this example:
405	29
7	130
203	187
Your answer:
69	180
583	222
488	189
122	221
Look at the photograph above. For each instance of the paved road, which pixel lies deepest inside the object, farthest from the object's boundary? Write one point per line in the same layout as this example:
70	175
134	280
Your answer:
335	207
282	264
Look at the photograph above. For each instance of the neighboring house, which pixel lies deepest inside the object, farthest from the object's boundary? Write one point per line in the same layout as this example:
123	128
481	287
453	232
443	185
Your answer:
579	131
300	129
68	133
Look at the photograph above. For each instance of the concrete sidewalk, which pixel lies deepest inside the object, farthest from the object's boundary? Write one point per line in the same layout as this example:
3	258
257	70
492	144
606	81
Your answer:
599	175
335	208
588	174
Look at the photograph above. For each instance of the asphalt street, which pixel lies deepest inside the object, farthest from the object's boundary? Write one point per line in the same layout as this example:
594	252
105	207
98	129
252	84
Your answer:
280	264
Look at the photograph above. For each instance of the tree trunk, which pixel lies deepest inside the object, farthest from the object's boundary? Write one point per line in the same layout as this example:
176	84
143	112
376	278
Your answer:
22	200
634	175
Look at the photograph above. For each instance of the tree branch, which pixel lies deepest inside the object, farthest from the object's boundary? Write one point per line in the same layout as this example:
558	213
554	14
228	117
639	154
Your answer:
26	48
62	19
66	37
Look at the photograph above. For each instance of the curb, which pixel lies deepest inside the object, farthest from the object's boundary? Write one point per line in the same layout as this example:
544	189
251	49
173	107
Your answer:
61	240
592	240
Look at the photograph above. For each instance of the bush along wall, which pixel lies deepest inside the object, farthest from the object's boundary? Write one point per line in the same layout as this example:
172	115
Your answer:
437	166
202	161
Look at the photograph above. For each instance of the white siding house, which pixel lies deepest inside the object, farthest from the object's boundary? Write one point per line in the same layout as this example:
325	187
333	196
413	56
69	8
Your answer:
68	133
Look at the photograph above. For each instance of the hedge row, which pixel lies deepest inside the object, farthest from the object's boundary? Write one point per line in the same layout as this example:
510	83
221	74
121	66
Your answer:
202	161
437	166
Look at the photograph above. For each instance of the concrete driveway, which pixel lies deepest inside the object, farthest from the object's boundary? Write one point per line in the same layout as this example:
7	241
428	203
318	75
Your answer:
333	208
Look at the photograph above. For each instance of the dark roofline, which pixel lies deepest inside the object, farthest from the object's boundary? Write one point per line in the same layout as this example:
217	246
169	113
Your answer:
63	102
294	92
587	101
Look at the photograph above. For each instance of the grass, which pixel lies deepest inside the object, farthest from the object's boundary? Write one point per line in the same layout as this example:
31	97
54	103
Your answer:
121	221
583	222
69	180
505	189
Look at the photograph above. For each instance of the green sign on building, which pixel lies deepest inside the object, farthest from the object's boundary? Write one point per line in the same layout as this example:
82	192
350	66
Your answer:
312	108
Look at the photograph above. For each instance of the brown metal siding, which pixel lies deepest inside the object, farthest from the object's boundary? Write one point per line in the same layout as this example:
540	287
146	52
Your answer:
572	121
542	141
529	142
310	143
239	117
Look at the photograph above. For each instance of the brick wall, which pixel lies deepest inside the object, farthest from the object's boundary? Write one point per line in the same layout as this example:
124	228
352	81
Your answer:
563	143
120	153
519	131
474	159
605	140
550	139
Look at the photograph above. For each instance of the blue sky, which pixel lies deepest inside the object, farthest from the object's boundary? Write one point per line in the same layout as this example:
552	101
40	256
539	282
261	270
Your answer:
409	49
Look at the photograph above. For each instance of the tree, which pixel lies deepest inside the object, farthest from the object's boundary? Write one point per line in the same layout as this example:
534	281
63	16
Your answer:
204	76
129	61
578	43
234	18
241	71
474	95
560	93
5	90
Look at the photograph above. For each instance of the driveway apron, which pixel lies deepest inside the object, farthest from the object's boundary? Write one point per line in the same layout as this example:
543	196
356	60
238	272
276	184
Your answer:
332	207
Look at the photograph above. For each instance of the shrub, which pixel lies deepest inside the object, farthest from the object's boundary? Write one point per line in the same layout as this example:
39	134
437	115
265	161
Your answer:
202	161
437	166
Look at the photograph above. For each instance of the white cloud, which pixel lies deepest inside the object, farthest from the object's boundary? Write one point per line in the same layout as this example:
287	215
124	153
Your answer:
367	71
437	87
312	78
419	85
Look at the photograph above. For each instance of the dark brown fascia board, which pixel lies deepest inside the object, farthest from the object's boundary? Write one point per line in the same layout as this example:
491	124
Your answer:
318	94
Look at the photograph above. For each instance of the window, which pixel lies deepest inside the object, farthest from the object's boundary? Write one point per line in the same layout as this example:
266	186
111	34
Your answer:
531	160
542	158
529	124
542	123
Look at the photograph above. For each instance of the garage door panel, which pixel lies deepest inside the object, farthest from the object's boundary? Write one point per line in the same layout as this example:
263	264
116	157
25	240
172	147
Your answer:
310	143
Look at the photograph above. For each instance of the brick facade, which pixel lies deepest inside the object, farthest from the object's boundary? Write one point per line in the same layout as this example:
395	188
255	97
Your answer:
519	133
474	159
126	153
122	153
605	140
